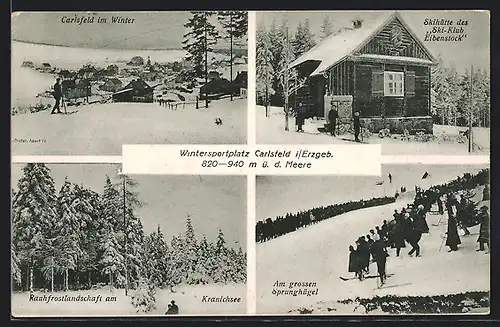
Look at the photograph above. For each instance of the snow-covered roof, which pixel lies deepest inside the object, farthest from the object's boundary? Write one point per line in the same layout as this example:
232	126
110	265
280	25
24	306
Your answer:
339	45
410	60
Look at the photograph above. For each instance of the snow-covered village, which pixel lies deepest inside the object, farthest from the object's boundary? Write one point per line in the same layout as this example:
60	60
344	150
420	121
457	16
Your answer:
88	240
413	241
167	78
374	77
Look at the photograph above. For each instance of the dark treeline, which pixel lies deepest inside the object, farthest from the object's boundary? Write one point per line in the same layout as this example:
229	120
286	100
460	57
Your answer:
77	238
269	229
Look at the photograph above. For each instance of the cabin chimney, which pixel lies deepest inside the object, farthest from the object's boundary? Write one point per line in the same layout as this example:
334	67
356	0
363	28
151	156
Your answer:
357	23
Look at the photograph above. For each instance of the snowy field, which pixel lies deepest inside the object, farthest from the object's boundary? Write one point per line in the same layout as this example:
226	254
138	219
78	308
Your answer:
188	298
101	129
271	130
319	254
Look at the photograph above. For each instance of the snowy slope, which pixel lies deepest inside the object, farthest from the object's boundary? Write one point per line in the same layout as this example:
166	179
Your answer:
271	130
319	253
101	129
188	298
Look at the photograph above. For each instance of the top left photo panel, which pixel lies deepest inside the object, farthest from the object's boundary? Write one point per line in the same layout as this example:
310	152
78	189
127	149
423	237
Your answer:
85	83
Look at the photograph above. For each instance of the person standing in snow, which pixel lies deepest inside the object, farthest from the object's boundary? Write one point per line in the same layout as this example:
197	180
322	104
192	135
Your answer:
452	237
299	117
332	118
357	126
57	96
440	205
390	178
484	229
413	235
174	307
353	261
462	218
380	257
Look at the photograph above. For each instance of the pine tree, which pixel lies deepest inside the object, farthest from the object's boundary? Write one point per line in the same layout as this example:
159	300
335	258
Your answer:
235	25
303	40
221	272
276	37
326	28
178	271
33	215
88	210
112	260
67	241
264	66
111	206
15	267
144	297
204	263
190	253
199	40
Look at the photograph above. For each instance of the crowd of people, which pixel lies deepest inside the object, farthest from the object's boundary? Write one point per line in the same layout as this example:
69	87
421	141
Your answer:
269	229
408	225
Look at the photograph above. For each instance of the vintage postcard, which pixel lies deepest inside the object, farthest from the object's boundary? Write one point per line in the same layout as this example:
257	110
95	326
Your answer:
413	81
86	83
413	241
89	241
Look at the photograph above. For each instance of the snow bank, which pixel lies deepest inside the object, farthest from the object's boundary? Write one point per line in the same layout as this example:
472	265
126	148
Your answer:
101	129
272	130
188	298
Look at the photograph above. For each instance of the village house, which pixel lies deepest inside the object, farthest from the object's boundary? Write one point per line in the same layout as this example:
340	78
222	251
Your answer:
45	67
112	85
135	91
75	88
28	64
380	69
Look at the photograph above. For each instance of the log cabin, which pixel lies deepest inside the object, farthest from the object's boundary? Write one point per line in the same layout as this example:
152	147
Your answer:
382	70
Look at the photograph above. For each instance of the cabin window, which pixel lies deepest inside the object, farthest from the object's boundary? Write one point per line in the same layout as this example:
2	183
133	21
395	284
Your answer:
393	84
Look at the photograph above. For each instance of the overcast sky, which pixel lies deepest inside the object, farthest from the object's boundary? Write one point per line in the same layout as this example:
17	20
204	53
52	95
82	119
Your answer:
150	30
212	202
475	49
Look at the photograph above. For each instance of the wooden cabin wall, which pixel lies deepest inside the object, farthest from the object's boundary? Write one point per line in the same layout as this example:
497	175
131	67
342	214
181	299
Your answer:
340	79
414	103
419	105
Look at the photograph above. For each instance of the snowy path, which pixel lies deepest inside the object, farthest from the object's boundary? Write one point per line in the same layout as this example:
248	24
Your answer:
188	298
270	130
320	254
101	129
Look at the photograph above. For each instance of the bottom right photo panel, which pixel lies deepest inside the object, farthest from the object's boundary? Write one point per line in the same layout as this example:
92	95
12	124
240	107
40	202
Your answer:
414	240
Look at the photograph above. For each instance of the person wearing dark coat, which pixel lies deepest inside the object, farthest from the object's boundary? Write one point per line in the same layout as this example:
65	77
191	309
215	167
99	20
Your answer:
412	235
364	253
332	119
440	205
486	193
57	95
420	220
357	126
358	263
462	220
452	238
484	229
353	261
399	239
299	117
174	307
380	257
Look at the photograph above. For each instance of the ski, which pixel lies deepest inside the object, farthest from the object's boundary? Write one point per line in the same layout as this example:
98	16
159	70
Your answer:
349	140
365	277
389	286
70	112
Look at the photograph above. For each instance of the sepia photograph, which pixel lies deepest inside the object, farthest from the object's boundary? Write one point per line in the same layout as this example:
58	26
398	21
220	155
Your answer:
414	240
413	81
86	83
90	241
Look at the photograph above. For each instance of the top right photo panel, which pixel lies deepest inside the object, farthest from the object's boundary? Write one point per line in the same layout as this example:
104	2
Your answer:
413	81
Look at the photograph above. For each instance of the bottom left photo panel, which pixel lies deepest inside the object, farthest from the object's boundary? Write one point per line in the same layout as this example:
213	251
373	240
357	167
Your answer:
88	240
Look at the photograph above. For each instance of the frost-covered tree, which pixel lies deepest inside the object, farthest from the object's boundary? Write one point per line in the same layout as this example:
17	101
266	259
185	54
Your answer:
191	253
67	229
15	267
264	66
326	28
112	259
287	76
33	217
143	298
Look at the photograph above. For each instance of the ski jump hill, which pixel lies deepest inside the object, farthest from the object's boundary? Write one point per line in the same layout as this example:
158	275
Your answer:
319	254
